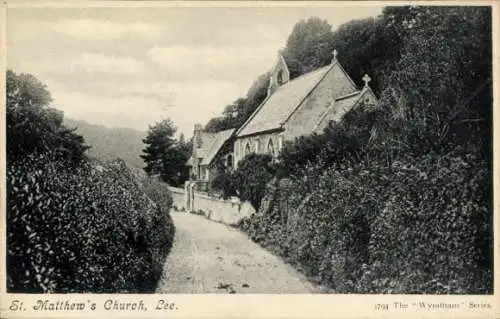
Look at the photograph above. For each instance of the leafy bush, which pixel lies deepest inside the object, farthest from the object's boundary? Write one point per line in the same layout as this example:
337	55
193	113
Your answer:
434	233
224	183
318	224
158	191
83	229
345	142
253	173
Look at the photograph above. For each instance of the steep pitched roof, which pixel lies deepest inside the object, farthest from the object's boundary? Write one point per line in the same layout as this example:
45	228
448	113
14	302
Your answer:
210	145
207	139
219	140
277	108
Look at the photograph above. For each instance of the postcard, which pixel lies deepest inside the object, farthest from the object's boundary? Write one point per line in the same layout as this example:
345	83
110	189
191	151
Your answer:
249	159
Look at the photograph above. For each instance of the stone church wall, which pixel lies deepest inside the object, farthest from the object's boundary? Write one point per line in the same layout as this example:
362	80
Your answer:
305	118
258	144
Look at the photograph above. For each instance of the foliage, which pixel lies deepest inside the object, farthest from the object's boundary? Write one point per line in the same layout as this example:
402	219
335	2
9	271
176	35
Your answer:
158	192
415	227
250	178
223	181
308	46
235	114
84	229
33	126
164	156
341	143
438	211
441	86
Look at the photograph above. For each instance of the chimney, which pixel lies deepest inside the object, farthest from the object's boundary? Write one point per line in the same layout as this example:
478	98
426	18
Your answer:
197	134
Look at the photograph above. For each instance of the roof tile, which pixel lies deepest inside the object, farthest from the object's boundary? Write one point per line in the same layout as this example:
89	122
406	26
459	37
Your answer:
216	145
278	107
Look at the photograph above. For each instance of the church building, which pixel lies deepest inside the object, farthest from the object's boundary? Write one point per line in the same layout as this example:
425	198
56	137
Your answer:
299	107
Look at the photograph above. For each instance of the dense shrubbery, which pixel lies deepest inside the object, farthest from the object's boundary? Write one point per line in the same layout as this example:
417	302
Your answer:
434	230
414	227
251	177
223	183
85	229
158	191
343	143
73	224
249	180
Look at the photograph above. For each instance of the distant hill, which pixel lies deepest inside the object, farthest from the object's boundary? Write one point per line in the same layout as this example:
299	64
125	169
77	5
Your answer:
110	143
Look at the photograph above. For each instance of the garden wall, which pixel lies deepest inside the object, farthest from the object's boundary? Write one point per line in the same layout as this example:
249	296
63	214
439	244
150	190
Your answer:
230	211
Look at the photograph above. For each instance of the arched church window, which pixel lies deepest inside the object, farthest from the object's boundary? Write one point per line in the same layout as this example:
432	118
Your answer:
270	147
248	150
229	162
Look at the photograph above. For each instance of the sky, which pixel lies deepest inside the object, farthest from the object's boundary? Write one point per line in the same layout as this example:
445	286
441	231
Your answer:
134	66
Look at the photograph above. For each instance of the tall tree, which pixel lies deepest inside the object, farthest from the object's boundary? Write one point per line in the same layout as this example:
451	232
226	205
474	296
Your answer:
308	46
33	126
441	87
163	155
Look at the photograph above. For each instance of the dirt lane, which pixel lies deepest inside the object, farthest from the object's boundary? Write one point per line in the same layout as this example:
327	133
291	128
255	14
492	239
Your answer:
208	257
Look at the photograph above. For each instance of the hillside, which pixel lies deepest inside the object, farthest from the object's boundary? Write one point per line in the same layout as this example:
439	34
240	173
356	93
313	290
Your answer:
110	143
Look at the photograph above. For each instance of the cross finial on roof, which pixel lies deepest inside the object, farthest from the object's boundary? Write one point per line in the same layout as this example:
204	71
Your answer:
367	79
334	53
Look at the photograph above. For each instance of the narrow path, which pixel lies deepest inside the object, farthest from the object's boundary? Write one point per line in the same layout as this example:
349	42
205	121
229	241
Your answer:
208	257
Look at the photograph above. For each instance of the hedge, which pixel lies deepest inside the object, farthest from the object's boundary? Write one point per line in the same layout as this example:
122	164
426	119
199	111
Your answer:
84	229
158	191
418	226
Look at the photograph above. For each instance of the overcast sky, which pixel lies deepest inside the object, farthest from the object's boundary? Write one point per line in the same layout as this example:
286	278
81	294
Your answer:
131	67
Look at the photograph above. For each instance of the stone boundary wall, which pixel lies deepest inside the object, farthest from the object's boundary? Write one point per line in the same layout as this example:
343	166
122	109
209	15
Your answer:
229	211
178	197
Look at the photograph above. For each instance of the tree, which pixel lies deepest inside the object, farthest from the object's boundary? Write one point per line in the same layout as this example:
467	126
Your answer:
440	88
163	155
33	126
236	113
184	148
308	46
250	179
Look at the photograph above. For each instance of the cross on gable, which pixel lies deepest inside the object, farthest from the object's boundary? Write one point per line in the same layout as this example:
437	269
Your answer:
367	79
